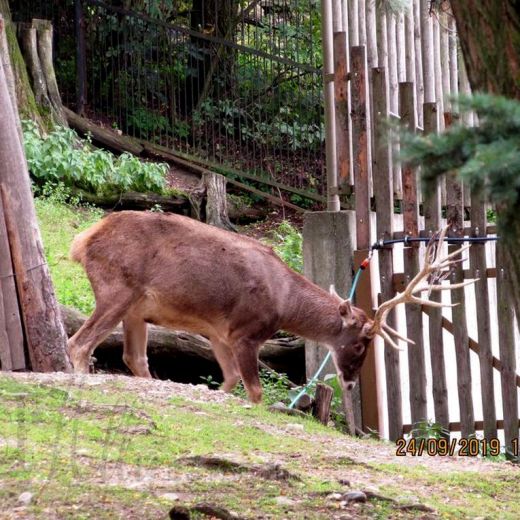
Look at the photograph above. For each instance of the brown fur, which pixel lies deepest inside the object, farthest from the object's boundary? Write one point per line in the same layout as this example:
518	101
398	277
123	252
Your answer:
179	273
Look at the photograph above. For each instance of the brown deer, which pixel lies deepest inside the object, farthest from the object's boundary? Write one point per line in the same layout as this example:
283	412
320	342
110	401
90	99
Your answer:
176	272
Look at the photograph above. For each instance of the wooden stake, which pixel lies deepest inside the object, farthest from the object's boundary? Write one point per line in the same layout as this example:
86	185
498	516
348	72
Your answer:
323	400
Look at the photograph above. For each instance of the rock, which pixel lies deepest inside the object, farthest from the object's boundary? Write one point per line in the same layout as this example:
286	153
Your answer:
355	496
344	482
335	496
284	501
25	498
295	427
179	513
173	497
371	489
304	403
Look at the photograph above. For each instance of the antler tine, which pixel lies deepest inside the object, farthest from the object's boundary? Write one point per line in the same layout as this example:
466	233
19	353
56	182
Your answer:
435	264
390	330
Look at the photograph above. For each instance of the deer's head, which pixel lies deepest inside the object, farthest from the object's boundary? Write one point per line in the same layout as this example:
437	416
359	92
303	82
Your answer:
350	346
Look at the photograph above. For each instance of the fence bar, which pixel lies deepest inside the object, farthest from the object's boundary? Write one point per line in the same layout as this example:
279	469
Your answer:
477	256
432	223
342	115
414	322
383	179
455	217
506	342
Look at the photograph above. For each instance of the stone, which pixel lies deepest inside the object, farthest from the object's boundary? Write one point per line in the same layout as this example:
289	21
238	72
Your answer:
173	497
355	496
284	501
25	498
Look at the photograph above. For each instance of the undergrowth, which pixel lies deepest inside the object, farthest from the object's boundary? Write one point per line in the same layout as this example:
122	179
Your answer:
59	224
63	157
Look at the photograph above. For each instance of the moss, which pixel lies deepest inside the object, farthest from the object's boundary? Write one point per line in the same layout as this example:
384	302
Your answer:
27	105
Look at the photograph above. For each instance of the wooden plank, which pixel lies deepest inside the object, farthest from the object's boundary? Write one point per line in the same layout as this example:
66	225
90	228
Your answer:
341	104
5	353
432	223
360	143
383	179
10	314
489	230
455	426
477	256
400	278
410	208
368	374
455	218
472	344
506	342
323	400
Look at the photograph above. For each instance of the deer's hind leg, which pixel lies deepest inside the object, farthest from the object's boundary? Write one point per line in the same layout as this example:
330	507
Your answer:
228	365
109	312
135	341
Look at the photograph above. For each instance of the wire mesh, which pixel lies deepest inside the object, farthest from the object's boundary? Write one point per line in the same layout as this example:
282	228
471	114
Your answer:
234	86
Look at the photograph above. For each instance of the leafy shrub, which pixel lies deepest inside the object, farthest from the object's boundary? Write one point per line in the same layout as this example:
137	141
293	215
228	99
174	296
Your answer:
275	387
63	157
288	243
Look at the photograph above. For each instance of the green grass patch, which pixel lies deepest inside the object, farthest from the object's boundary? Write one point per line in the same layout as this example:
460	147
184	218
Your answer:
59	224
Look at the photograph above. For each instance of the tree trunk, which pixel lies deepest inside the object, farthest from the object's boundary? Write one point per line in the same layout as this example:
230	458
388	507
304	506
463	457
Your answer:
27	106
44	331
491	67
494	68
279	352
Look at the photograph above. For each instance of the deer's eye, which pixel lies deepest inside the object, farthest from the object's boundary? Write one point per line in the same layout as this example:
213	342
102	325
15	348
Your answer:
359	348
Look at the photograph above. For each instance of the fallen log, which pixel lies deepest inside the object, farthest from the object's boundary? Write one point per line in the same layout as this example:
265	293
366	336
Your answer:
163	341
135	200
105	136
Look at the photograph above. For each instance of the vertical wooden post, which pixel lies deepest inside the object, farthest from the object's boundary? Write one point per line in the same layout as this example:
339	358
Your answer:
382	172
360	143
419	83
361	169
330	122
432	223
45	332
477	255
455	218
81	58
341	109
506	343
427	53
414	322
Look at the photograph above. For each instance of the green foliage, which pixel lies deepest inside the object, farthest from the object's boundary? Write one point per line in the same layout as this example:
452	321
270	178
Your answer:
61	157
287	243
487	157
59	224
428	429
275	387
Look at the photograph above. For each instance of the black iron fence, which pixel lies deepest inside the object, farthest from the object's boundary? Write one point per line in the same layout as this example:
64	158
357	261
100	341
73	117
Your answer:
237	87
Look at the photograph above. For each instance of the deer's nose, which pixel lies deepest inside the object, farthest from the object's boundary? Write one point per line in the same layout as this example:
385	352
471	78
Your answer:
349	385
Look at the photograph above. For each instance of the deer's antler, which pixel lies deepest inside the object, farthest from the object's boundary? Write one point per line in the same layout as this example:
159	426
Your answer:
436	269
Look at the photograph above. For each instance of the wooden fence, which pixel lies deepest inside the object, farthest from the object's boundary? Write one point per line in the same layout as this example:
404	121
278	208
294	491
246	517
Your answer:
402	66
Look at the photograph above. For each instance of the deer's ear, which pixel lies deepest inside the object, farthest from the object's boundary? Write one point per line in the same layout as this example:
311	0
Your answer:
332	291
368	330
345	309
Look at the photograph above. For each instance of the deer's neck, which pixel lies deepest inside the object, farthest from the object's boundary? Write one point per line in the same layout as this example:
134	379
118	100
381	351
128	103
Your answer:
311	312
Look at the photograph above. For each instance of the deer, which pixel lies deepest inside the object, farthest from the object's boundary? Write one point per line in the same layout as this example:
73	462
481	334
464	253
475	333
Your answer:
173	271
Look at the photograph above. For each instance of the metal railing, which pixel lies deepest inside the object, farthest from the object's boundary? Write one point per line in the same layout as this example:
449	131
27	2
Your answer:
236	88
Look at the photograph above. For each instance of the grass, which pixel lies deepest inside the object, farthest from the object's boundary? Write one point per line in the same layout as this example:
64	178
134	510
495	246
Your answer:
106	451
59	224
